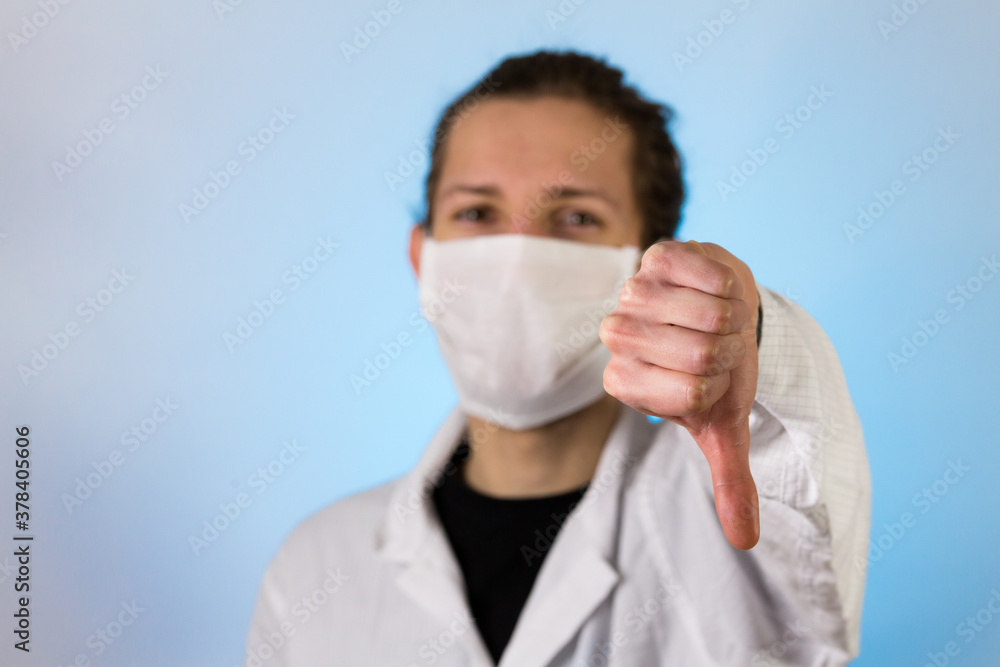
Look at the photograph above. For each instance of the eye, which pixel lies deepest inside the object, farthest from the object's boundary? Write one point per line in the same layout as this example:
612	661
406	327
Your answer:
579	219
474	214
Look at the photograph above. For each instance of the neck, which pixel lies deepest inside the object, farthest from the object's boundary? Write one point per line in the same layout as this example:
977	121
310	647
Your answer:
548	460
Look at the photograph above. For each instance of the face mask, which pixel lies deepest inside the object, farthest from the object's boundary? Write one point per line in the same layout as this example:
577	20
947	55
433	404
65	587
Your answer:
517	319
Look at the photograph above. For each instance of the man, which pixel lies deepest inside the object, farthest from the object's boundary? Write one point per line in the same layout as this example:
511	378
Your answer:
550	522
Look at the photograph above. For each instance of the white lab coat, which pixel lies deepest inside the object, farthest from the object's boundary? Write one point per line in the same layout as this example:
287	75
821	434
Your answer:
641	572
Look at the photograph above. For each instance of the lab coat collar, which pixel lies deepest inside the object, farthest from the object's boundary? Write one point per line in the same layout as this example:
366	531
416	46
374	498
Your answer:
411	535
577	574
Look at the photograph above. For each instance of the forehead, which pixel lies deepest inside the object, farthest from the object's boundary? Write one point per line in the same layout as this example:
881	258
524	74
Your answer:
535	139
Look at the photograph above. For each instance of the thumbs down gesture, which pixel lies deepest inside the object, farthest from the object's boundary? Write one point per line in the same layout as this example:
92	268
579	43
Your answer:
683	347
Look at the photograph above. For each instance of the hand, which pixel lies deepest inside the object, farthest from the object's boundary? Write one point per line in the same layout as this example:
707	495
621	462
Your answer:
684	347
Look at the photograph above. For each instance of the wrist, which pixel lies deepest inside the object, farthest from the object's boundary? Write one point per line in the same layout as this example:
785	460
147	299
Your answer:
760	319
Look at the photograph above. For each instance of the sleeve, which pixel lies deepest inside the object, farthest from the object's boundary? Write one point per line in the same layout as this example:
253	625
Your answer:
807	455
271	627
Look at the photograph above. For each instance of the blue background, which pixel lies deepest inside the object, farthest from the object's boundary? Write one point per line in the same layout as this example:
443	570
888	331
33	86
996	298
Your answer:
323	175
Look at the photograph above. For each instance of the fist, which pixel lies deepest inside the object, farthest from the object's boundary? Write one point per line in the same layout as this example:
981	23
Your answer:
684	347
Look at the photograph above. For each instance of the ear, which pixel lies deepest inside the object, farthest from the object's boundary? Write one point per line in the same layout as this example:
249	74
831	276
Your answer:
416	243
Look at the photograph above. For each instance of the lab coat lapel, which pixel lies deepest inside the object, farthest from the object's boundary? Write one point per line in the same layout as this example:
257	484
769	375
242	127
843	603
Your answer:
579	571
580	577
434	581
412	535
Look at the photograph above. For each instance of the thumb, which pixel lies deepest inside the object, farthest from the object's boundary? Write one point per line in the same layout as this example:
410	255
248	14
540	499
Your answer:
727	449
723	434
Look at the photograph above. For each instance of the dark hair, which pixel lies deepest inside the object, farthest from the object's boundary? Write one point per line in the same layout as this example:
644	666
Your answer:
656	164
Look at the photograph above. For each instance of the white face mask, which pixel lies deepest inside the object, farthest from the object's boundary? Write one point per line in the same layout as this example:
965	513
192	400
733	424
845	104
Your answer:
517	319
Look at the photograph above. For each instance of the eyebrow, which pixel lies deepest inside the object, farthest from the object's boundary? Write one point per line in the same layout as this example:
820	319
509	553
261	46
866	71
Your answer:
488	190
560	193
566	193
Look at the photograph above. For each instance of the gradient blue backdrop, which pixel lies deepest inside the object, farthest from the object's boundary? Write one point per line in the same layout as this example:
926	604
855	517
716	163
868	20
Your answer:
225	69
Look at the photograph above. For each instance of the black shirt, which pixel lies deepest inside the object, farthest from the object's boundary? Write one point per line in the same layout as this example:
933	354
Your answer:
500	544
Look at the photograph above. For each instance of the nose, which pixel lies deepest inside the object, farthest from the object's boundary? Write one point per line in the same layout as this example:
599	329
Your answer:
529	218
521	224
